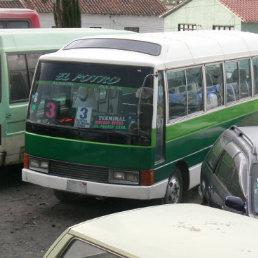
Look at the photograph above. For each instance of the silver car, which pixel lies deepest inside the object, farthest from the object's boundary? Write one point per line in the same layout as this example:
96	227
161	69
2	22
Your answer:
229	174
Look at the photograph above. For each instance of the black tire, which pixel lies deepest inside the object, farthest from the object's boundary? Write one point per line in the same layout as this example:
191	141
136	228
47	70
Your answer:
174	191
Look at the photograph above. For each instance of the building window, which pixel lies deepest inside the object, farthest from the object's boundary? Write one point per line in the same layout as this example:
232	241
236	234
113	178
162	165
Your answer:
135	29
183	27
219	27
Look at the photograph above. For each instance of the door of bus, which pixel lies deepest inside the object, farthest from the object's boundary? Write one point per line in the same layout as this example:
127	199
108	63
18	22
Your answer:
160	121
21	68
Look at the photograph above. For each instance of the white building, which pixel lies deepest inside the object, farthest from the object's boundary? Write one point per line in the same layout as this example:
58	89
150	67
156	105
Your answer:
136	15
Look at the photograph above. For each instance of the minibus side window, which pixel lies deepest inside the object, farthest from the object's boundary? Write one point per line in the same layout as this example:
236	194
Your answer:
0	80
214	86
18	78
255	67
245	78
32	59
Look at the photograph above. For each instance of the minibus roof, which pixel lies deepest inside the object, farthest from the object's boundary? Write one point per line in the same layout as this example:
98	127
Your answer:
44	39
178	49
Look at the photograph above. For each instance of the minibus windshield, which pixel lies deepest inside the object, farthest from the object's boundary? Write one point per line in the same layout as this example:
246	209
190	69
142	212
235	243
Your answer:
104	103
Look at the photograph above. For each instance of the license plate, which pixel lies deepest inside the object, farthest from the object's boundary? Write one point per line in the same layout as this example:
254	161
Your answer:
76	186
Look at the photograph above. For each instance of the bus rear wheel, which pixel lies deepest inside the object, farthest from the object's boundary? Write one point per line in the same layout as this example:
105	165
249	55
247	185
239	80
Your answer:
174	191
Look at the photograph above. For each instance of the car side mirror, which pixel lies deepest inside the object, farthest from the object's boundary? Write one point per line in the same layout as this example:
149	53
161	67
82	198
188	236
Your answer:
235	203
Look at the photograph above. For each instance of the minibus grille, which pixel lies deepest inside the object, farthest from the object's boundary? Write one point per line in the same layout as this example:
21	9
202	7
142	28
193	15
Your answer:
75	171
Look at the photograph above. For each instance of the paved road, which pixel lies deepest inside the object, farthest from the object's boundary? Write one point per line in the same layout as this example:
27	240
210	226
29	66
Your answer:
31	217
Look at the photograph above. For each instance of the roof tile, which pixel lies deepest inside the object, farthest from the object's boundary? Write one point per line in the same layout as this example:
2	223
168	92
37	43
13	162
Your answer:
106	7
11	4
246	10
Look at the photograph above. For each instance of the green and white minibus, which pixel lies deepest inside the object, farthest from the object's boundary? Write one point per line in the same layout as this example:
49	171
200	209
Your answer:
19	53
132	116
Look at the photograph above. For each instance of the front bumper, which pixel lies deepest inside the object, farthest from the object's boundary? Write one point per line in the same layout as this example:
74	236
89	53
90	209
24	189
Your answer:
154	191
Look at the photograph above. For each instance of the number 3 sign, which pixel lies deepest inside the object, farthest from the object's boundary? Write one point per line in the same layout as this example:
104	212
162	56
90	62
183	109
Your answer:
83	117
51	108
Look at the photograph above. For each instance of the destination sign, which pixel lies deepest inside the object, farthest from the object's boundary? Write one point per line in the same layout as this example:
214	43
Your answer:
87	78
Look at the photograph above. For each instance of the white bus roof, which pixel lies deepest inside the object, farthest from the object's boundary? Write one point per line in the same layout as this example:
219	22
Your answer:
178	49
180	230
44	39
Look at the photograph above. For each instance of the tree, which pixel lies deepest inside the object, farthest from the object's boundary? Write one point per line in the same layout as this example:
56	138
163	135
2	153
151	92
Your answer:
67	14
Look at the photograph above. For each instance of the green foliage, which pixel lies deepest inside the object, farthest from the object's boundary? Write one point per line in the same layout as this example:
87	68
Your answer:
70	15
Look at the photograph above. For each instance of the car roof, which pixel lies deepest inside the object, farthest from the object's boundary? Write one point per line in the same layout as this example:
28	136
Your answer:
249	133
173	230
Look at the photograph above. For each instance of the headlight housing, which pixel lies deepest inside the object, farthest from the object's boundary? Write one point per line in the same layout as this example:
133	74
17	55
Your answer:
127	177
38	165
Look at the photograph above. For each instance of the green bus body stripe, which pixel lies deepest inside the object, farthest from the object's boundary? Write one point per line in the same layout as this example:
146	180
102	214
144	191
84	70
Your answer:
89	153
88	142
210	120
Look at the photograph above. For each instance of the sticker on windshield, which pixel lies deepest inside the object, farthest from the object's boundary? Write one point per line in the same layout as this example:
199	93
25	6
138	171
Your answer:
83	117
50	110
110	122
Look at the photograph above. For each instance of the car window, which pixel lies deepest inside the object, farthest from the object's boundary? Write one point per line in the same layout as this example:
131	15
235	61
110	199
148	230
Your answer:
241	177
228	173
235	187
78	248
215	153
225	169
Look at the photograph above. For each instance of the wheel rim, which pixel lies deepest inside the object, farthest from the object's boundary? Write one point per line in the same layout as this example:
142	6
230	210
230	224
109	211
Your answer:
173	191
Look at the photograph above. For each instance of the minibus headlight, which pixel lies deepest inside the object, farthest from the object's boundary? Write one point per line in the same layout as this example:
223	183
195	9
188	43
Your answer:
34	163
119	175
44	164
38	165
123	177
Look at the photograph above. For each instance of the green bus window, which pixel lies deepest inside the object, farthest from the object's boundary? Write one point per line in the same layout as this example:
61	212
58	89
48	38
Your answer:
160	122
18	78
214	86
112	100
245	78
232	80
194	89
0	80
32	59
255	67
177	94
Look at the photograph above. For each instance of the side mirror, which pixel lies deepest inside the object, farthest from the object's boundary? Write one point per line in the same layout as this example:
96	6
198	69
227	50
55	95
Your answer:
235	203
144	93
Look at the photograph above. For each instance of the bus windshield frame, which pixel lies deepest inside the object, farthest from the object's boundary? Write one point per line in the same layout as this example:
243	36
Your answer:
92	102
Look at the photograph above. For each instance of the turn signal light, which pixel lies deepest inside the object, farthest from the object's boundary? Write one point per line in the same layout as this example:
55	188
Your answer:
147	177
26	160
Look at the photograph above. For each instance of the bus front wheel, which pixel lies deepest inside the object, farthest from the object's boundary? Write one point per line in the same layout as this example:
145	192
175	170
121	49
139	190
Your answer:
174	191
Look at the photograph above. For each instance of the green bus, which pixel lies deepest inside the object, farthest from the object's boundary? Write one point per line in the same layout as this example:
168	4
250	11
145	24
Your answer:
19	53
132	116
